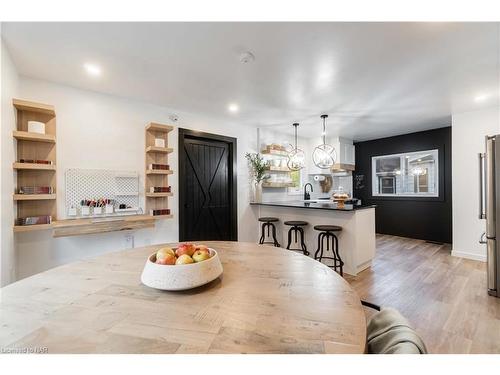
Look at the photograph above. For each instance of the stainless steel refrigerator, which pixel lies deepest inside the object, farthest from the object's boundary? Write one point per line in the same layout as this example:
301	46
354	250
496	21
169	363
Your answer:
489	209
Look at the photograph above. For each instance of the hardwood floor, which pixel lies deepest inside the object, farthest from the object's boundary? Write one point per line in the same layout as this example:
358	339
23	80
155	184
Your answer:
443	297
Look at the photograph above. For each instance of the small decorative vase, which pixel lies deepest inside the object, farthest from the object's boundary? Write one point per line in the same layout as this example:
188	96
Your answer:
257	192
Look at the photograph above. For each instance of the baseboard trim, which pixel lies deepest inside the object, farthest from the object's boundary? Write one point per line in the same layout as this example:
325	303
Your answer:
461	254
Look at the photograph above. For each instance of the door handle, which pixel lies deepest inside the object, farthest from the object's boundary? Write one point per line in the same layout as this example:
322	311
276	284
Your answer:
482	214
482	240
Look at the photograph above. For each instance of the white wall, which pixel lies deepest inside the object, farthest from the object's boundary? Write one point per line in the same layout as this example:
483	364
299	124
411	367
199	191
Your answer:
468	132
106	132
9	89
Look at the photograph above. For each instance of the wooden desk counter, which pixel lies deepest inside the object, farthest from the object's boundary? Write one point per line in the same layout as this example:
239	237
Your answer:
268	300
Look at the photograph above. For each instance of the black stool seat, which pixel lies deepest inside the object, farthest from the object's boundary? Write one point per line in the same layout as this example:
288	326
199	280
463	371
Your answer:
268	219
296	223
328	228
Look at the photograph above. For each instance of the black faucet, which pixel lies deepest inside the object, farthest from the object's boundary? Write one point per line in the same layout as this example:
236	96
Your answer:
307	196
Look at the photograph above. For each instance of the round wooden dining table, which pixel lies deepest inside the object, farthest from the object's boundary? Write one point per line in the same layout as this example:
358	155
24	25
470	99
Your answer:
268	300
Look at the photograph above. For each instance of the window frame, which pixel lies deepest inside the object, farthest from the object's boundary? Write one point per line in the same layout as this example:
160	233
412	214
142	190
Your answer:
436	152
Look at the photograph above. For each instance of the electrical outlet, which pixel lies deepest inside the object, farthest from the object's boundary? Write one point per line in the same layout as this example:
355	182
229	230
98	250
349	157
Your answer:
129	241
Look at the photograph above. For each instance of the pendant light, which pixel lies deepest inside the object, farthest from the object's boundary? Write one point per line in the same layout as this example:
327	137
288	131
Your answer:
324	155
296	157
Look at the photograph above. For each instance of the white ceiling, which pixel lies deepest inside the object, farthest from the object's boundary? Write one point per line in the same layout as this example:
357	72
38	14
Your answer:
374	79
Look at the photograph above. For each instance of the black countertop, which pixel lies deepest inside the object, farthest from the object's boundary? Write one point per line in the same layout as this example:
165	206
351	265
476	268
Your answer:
328	205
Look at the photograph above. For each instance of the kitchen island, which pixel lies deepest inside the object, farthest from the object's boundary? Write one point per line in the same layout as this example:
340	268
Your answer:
356	240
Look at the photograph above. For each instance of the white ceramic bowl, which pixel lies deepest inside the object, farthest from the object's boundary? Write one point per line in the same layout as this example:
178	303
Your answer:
181	276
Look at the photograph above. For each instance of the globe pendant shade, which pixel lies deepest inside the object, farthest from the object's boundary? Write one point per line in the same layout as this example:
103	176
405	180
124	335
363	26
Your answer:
296	159
324	156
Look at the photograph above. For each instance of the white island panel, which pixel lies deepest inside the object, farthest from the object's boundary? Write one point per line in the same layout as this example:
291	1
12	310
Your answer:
356	240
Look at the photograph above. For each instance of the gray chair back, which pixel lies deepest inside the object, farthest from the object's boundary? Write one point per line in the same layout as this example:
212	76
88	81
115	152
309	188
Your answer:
388	332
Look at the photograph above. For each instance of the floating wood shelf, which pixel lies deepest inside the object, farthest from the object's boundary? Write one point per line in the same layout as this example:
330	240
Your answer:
158	195
34	137
278	169
277	184
31	228
25	105
159	171
159	150
33	197
42	167
274	153
35	146
77	227
161	128
162	216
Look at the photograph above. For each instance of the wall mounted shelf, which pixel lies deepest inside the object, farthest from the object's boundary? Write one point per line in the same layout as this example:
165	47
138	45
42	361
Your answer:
33	166
159	128
277	184
35	146
78	227
163	216
159	195
31	228
274	153
278	169
33	137
33	107
157	177
33	197
159	171
160	150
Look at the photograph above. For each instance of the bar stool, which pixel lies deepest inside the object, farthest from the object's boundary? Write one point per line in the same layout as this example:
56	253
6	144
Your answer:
297	230
327	232
267	222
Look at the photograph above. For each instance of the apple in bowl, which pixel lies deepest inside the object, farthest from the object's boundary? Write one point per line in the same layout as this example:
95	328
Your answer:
165	256
185	248
201	255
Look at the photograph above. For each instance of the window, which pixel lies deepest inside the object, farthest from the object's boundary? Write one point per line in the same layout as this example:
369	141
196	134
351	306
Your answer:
409	174
296	177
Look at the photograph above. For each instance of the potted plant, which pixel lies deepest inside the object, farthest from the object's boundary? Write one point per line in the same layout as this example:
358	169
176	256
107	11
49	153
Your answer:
258	172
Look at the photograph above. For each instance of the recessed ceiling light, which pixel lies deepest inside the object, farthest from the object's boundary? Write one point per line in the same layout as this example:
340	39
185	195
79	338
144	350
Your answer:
92	69
233	108
481	98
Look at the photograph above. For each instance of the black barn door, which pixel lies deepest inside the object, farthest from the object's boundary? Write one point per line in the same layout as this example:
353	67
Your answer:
207	187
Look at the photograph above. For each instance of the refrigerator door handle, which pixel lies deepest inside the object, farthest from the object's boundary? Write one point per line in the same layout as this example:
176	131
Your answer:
482	214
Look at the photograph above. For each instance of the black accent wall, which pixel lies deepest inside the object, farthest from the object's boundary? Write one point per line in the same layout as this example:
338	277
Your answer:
421	218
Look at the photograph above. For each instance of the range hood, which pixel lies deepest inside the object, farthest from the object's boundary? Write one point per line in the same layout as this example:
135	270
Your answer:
345	163
342	168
